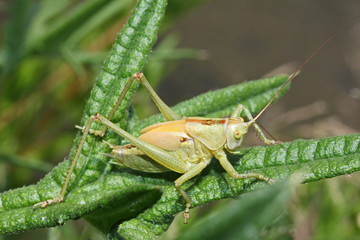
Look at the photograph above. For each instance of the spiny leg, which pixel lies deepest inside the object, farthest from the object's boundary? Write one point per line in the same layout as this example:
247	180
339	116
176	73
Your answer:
62	193
117	104
236	114
169	114
161	156
86	130
221	156
166	111
186	176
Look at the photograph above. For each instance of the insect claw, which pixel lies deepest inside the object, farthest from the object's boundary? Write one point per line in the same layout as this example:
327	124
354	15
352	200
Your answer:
186	213
270	181
186	216
36	205
45	203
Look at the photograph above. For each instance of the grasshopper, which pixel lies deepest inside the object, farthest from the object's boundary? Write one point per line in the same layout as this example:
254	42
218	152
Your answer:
183	145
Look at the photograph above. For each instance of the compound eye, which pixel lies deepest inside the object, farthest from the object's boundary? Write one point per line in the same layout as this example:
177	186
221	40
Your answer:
237	134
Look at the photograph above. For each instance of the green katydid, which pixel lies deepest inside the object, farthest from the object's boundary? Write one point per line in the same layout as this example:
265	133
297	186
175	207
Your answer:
183	145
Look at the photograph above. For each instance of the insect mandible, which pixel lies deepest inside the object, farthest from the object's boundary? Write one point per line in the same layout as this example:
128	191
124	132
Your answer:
183	145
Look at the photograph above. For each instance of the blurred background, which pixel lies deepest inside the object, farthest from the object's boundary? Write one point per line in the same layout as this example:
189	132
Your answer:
52	52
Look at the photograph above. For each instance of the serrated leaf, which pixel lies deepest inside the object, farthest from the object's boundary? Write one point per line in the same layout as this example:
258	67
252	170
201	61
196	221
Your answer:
312	159
244	218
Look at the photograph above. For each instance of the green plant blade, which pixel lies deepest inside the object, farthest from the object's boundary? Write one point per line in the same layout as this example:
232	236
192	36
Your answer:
85	201
128	55
312	159
16	32
244	218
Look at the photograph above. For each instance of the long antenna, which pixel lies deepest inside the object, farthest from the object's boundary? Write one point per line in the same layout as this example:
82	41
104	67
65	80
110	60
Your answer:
306	61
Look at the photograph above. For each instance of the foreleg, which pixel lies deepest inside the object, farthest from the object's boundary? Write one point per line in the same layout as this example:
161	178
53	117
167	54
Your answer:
236	114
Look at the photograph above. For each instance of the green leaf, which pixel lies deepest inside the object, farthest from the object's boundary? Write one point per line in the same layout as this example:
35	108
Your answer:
17	30
244	218
313	159
128	204
128	55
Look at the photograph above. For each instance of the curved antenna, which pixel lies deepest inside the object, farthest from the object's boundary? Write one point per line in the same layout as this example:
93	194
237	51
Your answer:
306	61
